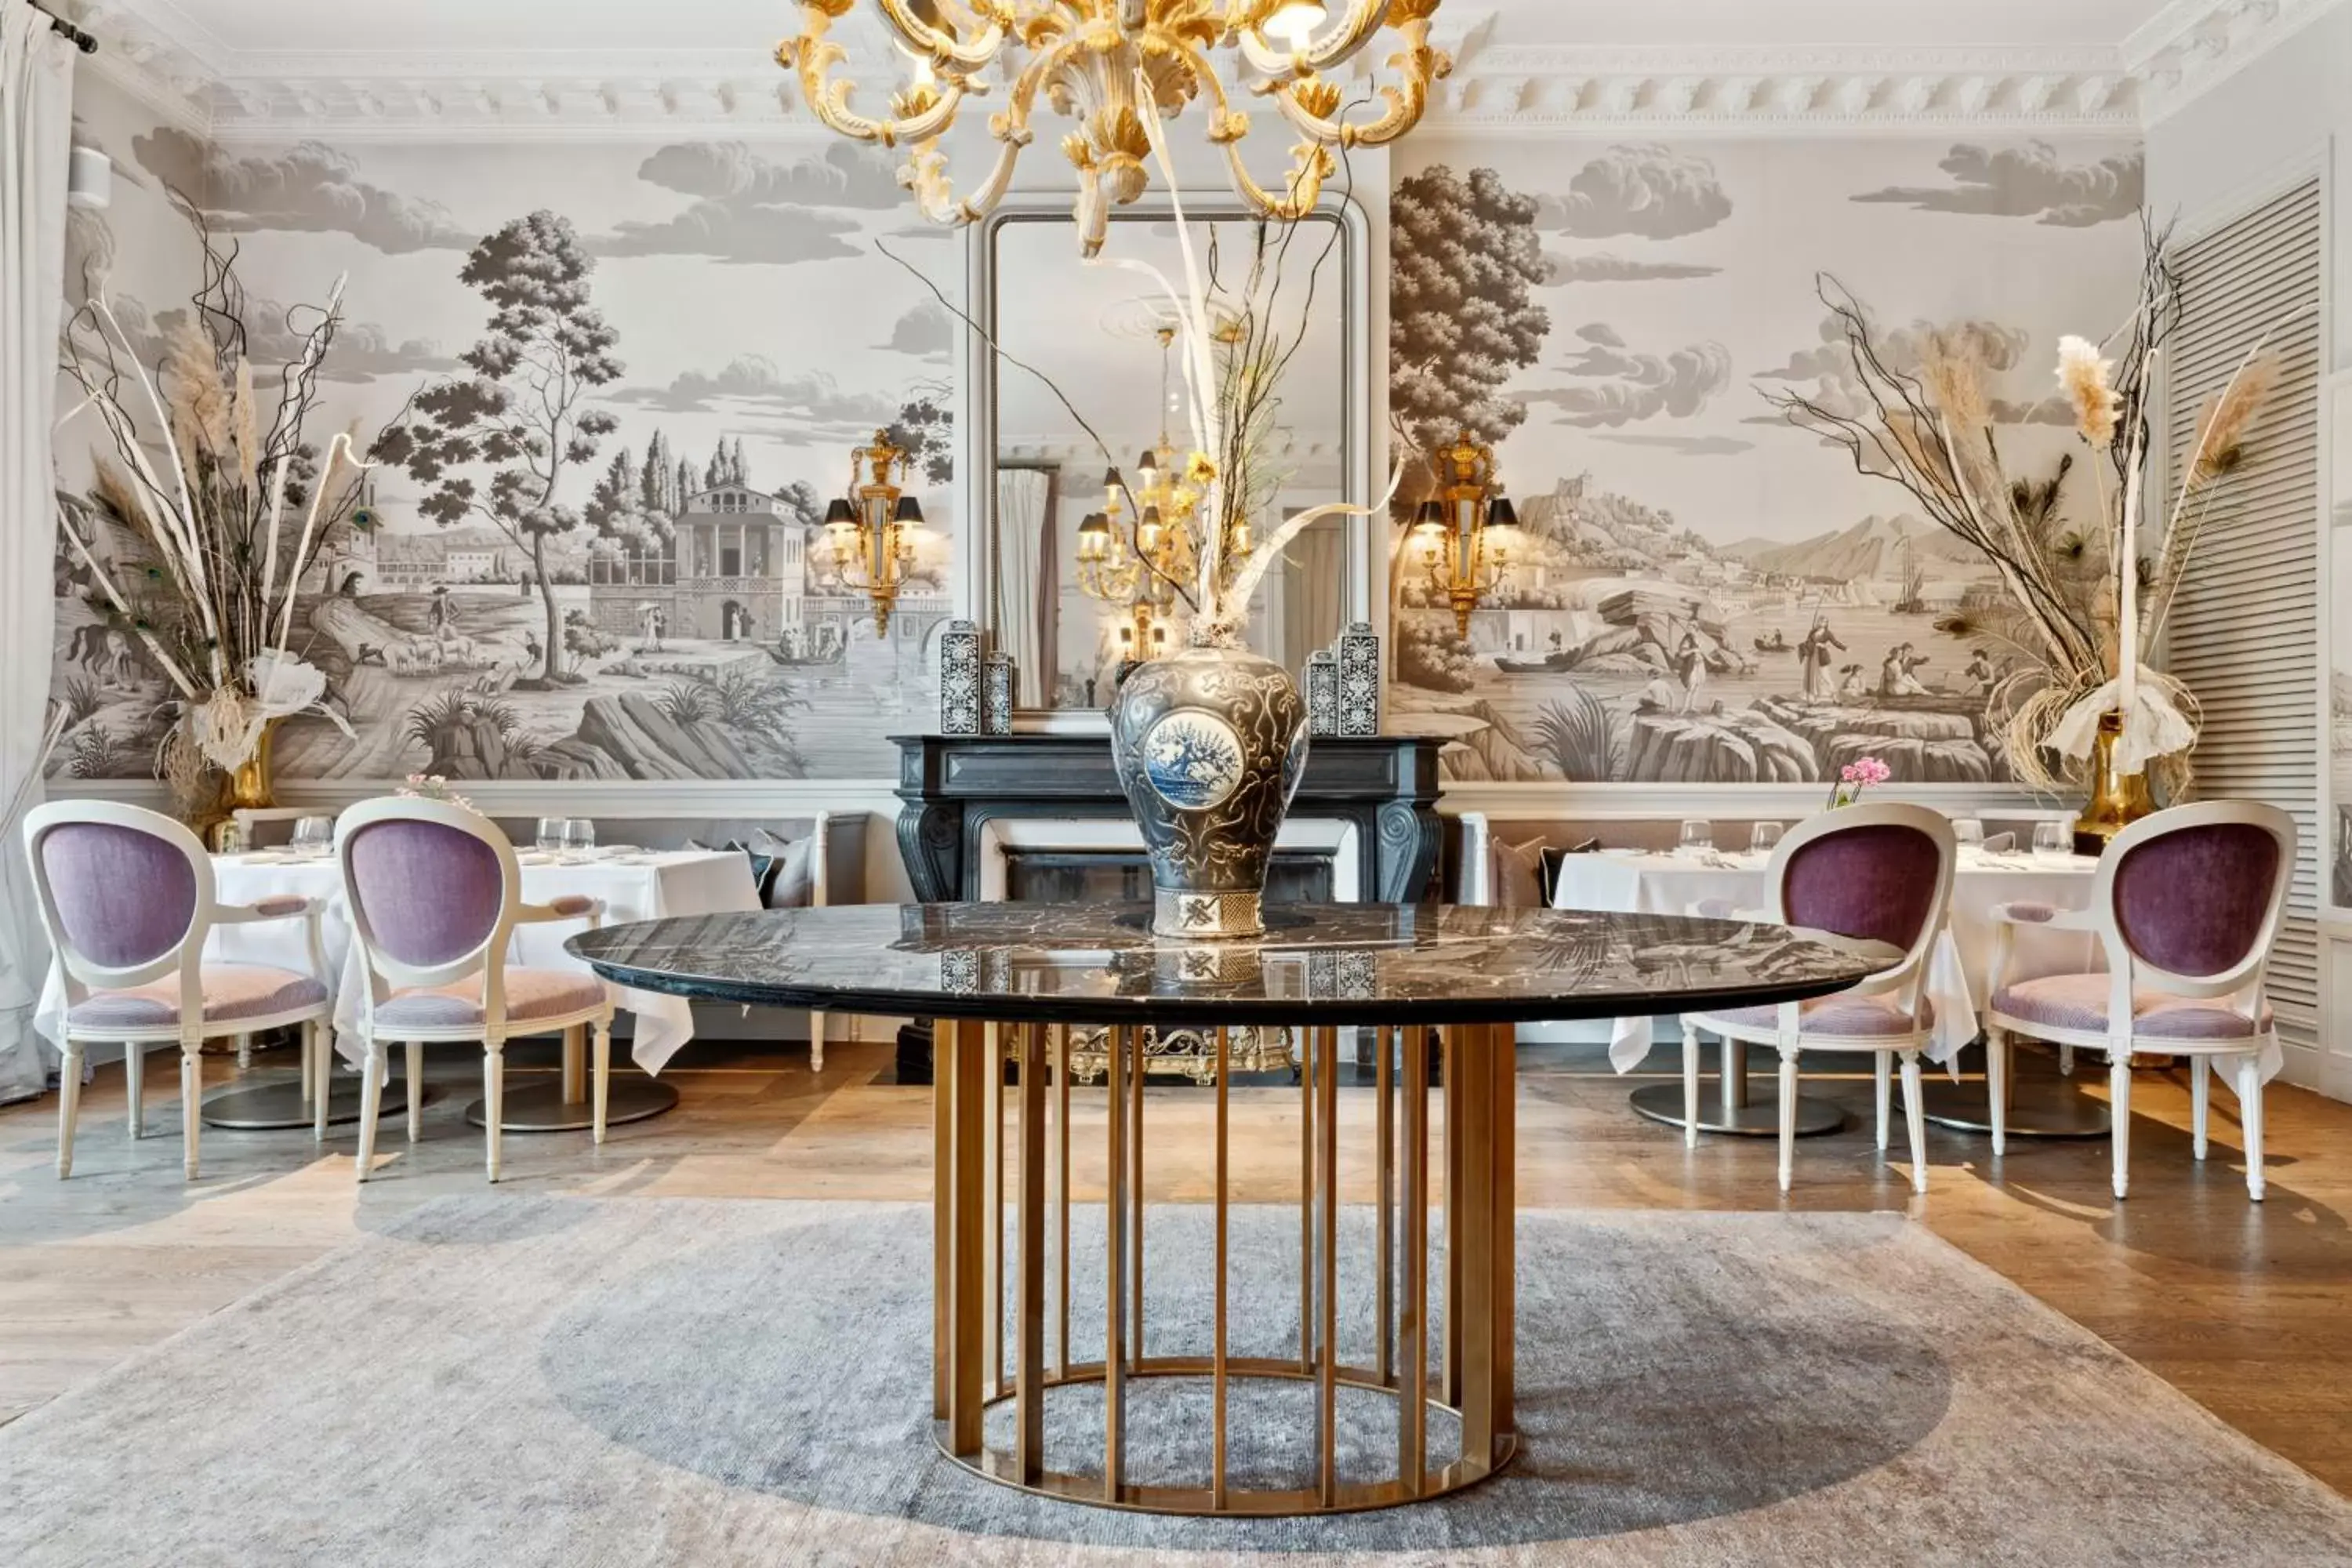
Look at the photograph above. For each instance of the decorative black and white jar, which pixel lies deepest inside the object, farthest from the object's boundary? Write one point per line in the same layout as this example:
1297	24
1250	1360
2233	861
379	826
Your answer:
1322	693
960	679
1360	680
1208	744
996	683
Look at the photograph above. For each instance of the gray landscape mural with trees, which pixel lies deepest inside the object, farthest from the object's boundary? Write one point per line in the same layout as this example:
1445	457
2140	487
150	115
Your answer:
590	547
1707	594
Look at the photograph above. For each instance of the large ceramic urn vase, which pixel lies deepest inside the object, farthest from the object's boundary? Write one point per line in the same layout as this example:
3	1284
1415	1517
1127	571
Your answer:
1208	744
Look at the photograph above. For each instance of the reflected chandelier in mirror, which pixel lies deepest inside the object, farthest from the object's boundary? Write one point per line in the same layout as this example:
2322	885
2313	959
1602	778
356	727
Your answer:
1104	65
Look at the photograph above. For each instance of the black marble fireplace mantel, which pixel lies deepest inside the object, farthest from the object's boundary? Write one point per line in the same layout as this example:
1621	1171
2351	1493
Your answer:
955	785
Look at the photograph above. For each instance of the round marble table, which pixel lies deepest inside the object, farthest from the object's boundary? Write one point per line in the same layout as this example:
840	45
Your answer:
1007	979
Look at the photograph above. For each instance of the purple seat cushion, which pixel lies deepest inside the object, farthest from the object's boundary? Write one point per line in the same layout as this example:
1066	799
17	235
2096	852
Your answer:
123	897
232	992
430	892
2193	901
531	994
1878	883
1845	1015
2080	1001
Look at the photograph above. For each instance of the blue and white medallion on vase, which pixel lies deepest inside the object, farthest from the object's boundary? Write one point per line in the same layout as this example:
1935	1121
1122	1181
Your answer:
1193	759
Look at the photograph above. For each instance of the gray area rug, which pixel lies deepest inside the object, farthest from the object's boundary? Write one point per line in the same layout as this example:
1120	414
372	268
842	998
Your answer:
588	1382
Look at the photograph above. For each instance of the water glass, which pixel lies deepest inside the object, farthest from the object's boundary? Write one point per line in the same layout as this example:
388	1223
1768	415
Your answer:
579	835
2052	838
314	835
1969	832
232	838
1764	837
550	838
1698	835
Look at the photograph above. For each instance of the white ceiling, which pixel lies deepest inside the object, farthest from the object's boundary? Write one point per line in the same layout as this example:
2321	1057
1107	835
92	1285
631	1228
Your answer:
391	68
556	27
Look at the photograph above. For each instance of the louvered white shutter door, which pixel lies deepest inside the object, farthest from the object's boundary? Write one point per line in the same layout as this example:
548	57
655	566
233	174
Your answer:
2244	634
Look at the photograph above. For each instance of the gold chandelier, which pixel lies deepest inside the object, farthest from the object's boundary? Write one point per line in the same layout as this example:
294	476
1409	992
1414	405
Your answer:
1105	64
1468	533
873	528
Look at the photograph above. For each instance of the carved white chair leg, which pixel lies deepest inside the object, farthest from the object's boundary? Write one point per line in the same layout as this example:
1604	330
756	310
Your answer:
1690	1084
1914	1118
2200	1101
1998	1065
2119	1112
2065	1061
816	1042
1787	1116
135	1085
494	1103
192	1088
68	1105
371	1105
1883	1084
415	1065
2250	1123
318	1050
600	1072
245	1053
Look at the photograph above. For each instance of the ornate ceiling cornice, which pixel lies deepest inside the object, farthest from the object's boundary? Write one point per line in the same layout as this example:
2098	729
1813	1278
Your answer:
1497	88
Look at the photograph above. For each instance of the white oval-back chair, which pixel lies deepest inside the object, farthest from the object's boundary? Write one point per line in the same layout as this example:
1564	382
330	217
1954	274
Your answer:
1879	872
2186	905
435	893
127	897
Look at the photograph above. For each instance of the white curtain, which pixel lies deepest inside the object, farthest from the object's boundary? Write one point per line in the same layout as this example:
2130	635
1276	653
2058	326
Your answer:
1023	580
1315	578
35	123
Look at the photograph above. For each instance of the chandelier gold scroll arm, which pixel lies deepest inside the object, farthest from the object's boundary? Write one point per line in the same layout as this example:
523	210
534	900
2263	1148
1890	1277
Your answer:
1363	18
812	54
1228	126
943	48
924	172
1312	105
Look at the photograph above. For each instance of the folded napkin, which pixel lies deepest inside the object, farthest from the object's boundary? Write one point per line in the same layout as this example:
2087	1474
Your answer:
2000	844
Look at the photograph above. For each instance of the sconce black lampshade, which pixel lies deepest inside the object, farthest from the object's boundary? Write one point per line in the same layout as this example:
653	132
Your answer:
838	514
909	510
1429	514
1500	513
1094	522
1149	461
1111	479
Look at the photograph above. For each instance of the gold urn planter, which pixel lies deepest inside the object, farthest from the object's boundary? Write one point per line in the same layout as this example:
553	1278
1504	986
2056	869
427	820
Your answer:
2117	800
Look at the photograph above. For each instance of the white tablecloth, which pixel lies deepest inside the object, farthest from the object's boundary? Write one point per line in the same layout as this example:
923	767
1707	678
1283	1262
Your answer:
639	888
1676	883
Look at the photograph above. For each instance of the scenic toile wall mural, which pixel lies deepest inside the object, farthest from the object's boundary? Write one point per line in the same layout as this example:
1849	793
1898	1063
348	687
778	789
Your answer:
1707	595
608	391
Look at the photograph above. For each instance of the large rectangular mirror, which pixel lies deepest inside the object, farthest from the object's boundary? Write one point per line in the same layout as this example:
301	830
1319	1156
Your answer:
1084	379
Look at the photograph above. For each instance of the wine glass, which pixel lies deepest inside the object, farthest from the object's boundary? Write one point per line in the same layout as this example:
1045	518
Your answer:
1764	837
1697	836
2050	839
549	839
314	835
579	835
1968	832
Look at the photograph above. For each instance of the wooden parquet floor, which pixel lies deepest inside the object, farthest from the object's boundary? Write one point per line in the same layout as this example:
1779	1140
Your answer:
2245	1308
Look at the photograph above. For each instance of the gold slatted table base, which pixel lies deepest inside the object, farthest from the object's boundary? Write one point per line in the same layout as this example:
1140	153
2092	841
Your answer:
1471	1346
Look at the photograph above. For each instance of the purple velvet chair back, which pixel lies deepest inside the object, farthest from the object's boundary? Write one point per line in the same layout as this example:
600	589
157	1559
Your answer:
1875	881
430	893
2195	901
122	898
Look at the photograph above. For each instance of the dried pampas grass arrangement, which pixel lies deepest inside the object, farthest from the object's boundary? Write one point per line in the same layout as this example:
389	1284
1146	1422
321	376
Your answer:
2087	600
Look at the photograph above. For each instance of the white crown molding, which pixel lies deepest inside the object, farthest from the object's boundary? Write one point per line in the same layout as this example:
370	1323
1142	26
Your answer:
2193	47
1496	88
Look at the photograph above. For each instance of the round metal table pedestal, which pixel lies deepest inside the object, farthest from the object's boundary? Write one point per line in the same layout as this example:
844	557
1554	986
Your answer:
2038	1108
278	1105
542	1108
1739	1106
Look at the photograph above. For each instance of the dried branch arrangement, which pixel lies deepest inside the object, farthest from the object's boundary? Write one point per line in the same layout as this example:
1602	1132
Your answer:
2085	604
218	502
